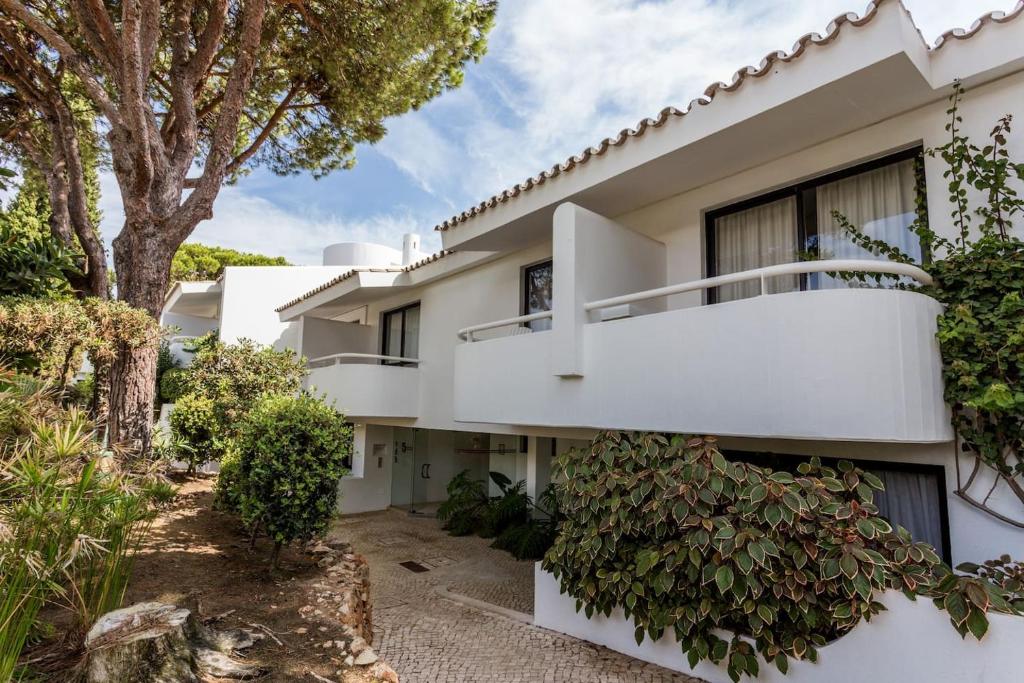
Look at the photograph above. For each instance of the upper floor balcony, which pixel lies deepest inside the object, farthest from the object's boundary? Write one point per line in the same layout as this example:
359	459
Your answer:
367	385
345	367
845	364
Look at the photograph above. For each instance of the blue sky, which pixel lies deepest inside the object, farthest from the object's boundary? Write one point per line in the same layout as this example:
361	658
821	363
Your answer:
560	75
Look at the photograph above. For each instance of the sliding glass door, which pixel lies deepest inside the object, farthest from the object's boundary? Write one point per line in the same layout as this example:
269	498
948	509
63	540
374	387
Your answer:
401	333
799	223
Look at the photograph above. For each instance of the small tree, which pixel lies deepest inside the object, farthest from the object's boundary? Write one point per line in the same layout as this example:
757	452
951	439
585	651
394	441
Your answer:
235	376
193	423
292	452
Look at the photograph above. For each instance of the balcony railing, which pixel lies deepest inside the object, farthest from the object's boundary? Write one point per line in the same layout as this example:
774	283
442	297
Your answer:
338	358
762	274
466	333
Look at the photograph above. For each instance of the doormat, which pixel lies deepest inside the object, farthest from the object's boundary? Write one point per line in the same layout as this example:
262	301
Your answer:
414	567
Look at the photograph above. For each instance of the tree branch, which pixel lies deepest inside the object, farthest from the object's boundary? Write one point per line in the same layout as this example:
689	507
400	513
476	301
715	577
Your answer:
74	60
199	204
265	133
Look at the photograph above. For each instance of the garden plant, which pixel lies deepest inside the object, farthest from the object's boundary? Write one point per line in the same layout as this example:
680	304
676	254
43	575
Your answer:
686	541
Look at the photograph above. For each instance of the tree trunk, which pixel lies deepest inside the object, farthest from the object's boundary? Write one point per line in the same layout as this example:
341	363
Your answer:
143	264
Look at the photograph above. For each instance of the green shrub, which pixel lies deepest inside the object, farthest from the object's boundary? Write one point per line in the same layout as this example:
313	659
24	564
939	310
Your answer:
527	541
235	376
510	509
173	384
228	489
462	513
292	450
194	422
686	541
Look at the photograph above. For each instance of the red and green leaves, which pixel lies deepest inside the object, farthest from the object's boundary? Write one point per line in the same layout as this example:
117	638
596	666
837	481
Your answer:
687	540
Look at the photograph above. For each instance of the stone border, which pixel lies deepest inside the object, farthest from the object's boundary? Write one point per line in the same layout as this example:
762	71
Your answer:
515	615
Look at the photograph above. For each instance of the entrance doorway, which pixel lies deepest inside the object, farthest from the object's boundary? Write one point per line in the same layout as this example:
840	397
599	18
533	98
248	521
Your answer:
409	467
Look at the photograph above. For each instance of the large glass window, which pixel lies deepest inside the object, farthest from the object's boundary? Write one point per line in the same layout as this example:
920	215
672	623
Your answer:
537	293
797	223
401	333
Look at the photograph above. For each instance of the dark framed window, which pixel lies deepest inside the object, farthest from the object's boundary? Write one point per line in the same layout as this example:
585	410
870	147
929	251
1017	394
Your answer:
795	223
537	282
400	333
914	496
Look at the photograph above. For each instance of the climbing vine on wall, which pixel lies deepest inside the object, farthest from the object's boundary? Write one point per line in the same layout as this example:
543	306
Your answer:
979	279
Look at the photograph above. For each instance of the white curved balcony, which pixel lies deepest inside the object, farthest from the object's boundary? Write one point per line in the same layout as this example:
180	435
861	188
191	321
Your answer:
360	387
852	364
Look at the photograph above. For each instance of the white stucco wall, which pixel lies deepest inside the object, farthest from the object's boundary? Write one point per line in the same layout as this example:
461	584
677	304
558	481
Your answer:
492	291
251	293
912	642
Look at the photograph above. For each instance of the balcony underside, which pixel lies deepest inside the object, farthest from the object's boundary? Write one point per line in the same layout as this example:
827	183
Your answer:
842	365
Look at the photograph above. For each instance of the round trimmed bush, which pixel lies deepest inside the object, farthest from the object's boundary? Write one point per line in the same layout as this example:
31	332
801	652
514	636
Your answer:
292	450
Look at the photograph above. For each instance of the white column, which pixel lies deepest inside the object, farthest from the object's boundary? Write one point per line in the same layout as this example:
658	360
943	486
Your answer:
595	258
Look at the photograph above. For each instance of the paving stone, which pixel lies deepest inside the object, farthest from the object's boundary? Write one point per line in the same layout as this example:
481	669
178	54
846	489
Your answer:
427	638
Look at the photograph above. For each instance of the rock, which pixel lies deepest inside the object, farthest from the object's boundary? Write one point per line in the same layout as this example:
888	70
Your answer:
383	672
350	660
357	646
366	657
161	643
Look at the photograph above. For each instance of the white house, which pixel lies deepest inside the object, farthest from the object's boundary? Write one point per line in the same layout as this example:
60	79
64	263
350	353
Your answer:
240	303
653	282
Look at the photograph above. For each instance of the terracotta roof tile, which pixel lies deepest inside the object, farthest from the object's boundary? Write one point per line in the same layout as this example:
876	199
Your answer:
670	113
366	269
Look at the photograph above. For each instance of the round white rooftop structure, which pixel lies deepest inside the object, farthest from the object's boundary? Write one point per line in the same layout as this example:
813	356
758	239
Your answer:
361	254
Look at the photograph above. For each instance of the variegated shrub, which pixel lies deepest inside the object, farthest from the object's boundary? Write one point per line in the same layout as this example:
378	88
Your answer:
686	541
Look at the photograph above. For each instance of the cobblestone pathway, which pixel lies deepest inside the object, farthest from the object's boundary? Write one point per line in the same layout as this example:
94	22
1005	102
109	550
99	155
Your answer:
428	638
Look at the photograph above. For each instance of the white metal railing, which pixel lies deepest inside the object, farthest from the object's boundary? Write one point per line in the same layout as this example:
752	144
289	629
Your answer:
762	274
466	333
336	358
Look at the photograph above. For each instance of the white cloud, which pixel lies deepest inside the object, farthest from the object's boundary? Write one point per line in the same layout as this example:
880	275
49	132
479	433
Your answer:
561	76
248	222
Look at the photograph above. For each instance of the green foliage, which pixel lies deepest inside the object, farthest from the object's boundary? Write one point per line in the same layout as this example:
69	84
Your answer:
467	501
1003	572
34	265
71	517
352	66
194	422
219	388
292	451
165	361
195	261
979	279
228	489
235	376
506	518
172	384
47	337
510	509
686	541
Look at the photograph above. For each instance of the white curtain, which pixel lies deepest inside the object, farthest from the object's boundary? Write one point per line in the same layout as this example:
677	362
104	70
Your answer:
911	500
880	203
762	236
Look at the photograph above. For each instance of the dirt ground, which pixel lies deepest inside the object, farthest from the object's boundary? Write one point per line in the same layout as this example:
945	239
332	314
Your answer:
195	549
